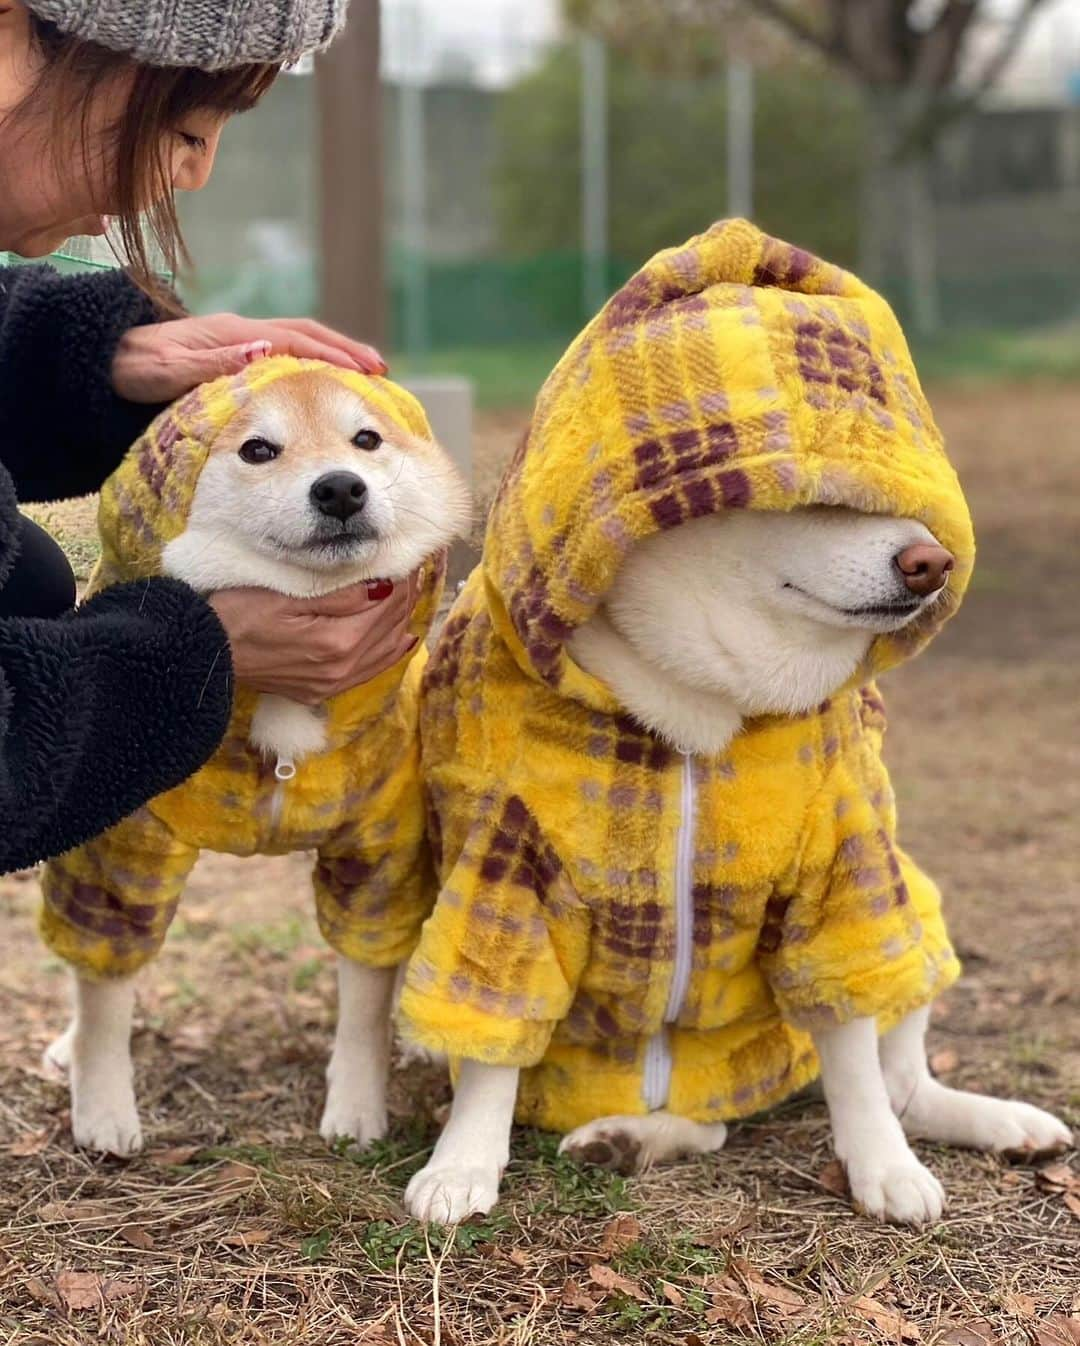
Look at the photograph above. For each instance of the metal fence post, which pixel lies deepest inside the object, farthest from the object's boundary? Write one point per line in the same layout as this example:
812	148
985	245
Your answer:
412	162
740	138
594	172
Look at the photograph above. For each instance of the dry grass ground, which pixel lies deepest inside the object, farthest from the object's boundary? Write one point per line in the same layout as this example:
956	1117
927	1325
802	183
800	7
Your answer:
237	1226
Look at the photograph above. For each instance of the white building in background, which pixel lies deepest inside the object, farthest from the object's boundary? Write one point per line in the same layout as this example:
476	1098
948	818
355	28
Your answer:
1045	72
488	42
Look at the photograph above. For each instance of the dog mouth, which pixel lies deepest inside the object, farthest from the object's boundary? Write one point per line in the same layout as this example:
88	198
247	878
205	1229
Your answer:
898	612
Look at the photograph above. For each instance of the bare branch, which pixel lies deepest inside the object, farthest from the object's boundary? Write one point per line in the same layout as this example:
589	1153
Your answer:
943	110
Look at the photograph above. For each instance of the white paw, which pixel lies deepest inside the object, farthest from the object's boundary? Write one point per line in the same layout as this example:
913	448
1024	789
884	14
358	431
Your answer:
56	1058
1006	1126
634	1144
896	1188
348	1116
103	1112
608	1142
447	1194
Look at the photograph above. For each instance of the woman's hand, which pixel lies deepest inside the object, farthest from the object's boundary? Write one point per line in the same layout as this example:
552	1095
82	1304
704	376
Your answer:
310	649
162	361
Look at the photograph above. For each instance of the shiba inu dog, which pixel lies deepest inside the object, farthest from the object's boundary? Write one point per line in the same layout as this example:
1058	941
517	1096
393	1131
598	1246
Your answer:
671	889
300	478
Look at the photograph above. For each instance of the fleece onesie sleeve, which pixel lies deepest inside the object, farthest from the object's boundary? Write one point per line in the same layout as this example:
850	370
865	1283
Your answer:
104	709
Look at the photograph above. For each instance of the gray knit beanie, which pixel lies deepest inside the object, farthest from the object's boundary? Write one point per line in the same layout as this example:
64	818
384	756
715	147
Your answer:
203	34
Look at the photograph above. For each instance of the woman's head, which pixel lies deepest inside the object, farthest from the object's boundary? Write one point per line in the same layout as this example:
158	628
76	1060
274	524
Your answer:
106	110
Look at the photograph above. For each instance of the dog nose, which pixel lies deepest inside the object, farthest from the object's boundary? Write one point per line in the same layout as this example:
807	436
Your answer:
925	567
339	495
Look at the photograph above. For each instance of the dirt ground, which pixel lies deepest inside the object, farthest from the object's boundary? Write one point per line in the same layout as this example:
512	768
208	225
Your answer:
238	1226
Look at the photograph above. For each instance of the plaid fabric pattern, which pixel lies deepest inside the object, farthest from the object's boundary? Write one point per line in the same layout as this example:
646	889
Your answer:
358	804
735	372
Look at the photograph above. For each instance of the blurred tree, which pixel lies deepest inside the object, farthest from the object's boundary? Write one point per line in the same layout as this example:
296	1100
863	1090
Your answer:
667	171
904	55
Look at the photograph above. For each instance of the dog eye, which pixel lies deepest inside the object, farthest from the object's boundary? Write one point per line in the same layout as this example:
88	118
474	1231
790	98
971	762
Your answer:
367	440
258	451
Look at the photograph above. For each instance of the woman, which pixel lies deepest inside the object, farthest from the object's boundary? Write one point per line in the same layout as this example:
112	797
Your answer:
107	107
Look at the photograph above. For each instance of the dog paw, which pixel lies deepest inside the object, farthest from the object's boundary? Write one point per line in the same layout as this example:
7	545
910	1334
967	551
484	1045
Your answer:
446	1194
56	1058
899	1190
607	1143
346	1117
1008	1127
106	1123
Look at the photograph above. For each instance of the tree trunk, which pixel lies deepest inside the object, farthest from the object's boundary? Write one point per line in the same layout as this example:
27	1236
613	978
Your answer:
920	247
877	190
897	218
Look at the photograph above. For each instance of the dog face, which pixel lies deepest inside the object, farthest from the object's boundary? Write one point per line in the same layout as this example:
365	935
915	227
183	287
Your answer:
309	487
774	610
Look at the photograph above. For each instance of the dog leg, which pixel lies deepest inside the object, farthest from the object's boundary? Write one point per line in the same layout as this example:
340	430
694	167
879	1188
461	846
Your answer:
95	1051
360	1062
886	1179
633	1144
462	1176
931	1111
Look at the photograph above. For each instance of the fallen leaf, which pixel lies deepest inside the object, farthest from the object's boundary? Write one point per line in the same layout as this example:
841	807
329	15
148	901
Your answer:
137	1236
1020	1306
1057	1177
233	1174
1057	1330
607	1278
944	1062
621	1233
692	1339
672	1294
833	1177
889	1321
518	1256
375	1334
574	1297
977	1333
88	1290
31	1143
172	1158
44	1294
251	1238
1072	1200
777	1297
74	1212
732	1308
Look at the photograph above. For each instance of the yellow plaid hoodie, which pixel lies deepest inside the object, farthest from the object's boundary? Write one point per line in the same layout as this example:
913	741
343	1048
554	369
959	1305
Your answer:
632	927
357	804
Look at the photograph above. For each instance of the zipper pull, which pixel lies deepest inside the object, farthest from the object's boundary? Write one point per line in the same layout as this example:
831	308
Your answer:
285	769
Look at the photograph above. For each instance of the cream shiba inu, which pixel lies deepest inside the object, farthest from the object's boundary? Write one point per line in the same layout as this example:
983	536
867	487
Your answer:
300	478
671	888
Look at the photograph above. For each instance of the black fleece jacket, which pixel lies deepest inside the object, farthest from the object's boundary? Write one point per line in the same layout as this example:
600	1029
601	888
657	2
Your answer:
104	708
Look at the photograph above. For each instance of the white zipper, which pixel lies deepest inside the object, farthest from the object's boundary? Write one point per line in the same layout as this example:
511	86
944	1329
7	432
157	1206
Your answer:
656	1084
284	771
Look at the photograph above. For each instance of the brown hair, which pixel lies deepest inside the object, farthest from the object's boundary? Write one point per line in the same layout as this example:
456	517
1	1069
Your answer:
159	100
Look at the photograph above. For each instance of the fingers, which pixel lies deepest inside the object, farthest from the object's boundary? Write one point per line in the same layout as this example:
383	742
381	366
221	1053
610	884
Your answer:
366	357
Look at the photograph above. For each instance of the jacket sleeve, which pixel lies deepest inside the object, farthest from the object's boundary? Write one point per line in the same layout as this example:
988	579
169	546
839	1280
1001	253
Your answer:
499	960
62	428
861	933
104	709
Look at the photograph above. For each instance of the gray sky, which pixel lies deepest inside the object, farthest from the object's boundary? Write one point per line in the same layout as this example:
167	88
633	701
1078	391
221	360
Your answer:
497	38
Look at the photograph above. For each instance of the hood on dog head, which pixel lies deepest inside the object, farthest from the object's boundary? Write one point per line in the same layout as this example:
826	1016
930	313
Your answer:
146	502
734	372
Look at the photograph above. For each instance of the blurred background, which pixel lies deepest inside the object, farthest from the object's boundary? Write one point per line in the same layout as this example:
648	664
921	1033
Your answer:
472	194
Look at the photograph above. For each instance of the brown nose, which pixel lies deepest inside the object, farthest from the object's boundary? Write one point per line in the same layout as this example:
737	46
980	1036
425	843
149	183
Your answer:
925	567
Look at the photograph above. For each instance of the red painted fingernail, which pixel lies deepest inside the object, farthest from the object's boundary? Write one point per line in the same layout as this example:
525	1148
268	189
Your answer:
377	590
257	350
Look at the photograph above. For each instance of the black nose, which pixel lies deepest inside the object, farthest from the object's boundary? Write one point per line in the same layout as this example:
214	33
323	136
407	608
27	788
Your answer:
339	495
